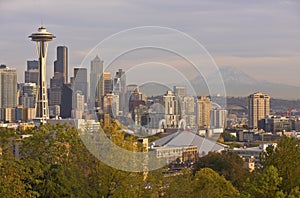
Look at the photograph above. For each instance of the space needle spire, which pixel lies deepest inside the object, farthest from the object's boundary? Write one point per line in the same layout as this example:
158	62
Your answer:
42	37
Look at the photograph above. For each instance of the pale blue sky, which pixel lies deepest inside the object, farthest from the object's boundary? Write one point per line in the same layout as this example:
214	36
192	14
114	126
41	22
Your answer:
261	38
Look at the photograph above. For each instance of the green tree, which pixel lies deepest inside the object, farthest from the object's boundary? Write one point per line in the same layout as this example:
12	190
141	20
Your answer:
208	183
286	158
228	137
12	174
56	161
109	182
295	192
227	164
180	185
154	184
264	185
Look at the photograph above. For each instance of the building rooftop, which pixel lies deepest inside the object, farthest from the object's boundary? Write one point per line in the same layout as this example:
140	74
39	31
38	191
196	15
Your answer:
189	138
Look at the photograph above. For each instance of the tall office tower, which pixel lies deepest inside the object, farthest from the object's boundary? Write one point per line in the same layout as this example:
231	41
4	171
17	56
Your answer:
80	81
95	76
54	111
129	90
258	109
140	115
61	63
60	76
32	64
66	101
56	83
180	91
172	115
28	94
119	88
136	98
42	37
111	104
8	114
218	118
105	84
187	110
203	112
78	105
153	116
8	87
32	73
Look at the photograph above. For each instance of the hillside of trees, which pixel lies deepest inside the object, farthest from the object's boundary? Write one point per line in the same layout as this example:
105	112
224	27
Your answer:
55	163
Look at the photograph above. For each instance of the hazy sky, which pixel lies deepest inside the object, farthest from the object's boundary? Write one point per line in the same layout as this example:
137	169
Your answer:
261	38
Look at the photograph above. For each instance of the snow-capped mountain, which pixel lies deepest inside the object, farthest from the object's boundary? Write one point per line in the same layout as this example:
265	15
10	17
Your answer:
238	83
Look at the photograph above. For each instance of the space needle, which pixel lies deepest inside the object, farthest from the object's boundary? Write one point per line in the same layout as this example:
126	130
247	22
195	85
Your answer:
42	37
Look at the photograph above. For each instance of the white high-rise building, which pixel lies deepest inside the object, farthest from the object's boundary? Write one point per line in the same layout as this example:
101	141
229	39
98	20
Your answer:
171	110
188	113
8	87
78	105
218	118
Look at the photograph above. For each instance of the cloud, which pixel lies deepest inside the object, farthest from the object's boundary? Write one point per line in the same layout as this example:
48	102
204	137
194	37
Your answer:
240	33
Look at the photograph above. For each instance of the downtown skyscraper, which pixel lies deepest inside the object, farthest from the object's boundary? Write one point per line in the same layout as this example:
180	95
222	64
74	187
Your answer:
180	91
61	63
8	87
32	73
60	76
105	84
95	76
259	108
172	114
8	93
204	107
218	118
119	88
80	81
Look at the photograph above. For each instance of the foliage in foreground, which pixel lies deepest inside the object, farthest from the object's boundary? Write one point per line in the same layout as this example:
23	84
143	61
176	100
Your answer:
55	163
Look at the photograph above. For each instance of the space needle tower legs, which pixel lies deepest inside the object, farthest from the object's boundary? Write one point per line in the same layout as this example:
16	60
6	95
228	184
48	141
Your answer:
42	37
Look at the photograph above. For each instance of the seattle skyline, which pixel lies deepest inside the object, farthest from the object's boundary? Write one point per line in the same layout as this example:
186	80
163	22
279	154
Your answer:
264	43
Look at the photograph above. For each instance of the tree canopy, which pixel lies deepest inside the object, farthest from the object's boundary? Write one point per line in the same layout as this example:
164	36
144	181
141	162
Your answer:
54	162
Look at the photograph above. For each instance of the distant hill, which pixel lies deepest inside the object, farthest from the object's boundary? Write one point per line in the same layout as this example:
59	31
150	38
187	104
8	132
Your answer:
238	83
154	89
276	104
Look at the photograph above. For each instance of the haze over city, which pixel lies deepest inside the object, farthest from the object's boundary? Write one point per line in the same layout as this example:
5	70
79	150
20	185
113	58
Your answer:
259	38
150	98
